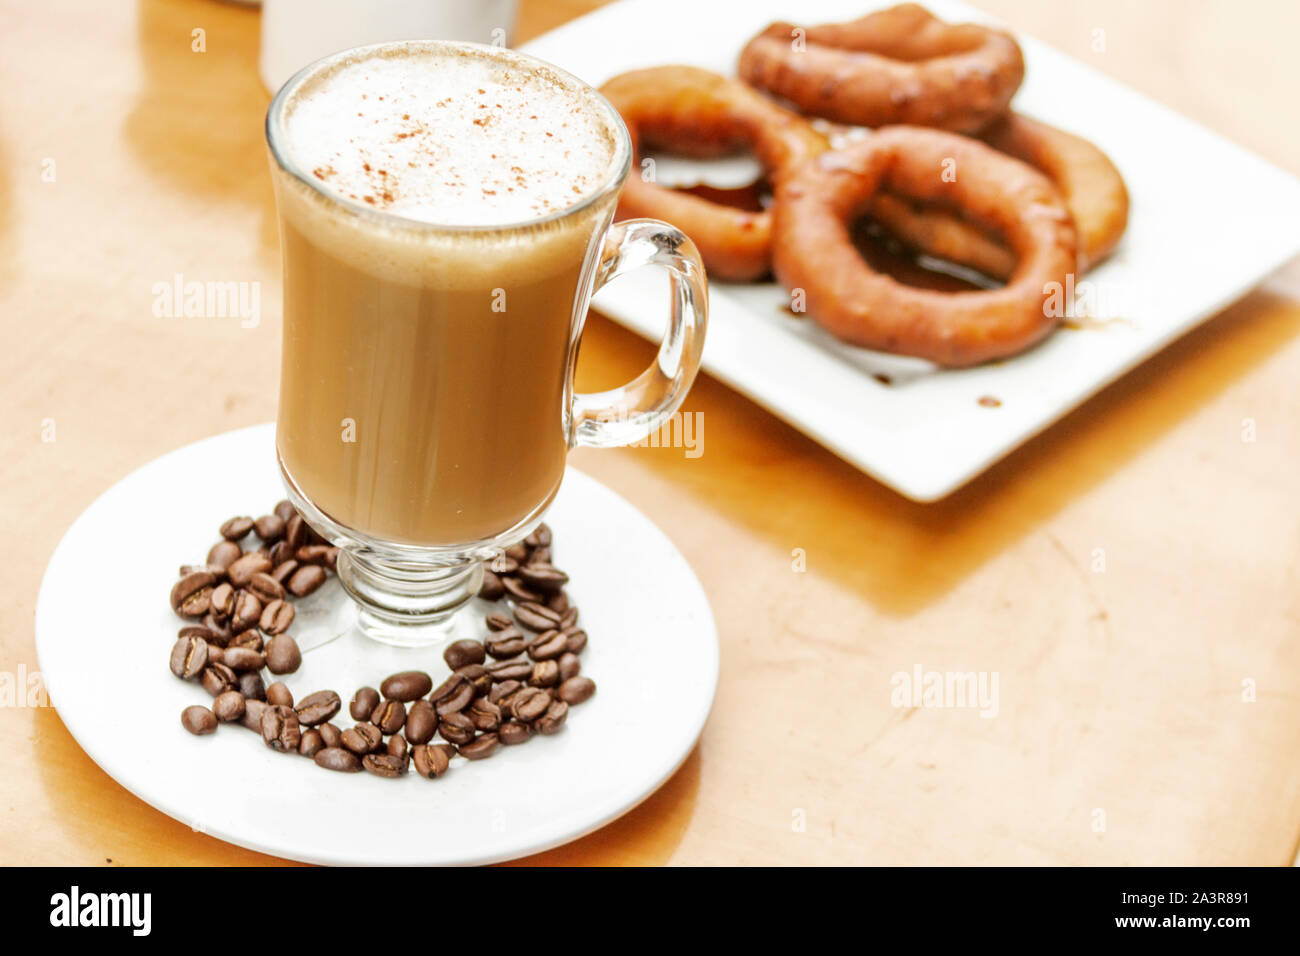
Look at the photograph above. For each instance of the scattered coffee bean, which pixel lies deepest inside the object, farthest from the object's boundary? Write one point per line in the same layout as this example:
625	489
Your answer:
514	732
313	554
456	701
330	735
549	648
251	686
284	569
266	588
270	528
243	659
456	728
384	765
224	553
279	695
431	760
311	743
336	758
362	738
222	602
198	720
521	592
503	564
296	532
396	746
280	729
406	686
552	721
541	537
491	589
485	714
251	638
248	611
529	703
568	618
497	621
229	706
545	674
305	580
575	690
510	670
217	678
543	577
318	707
480	748
577	641
363	704
569	665
536	617
241	570
506	644
518	551
253	711
276	617
236	528
558	602
192	595
464	652
218	573
421	722
478	676
502	690
282	655
189	657
389	716
284	510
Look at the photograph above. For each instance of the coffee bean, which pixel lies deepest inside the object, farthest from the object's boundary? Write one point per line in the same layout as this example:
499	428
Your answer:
270	528
248	611
549	649
552	721
540	538
396	746
266	588
506	644
223	553
336	758
189	657
280	729
536	617
543	577
220	632
577	641
284	569
243	659
384	765
311	743
191	596
421	722
201	631
389	716
312	554
510	670
305	580
251	638
558	602
499	622
485	714
222	602
406	685
280	554
501	691
570	666
517	551
296	532
575	690
431	760
253	711
236	528
491	589
198	720
217	678
464	652
456	728
529	703
241	570
569	618
282	655
362	738
545	674
284	510
251	686
279	695
480	748
521	592
514	732
458	700
276	617
478	676
218	573
330	735
539	556
447	688
318	707
229	706
503	564
363	704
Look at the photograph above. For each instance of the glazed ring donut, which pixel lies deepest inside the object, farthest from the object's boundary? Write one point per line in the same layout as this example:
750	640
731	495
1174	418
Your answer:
698	113
1093	188
899	65
812	248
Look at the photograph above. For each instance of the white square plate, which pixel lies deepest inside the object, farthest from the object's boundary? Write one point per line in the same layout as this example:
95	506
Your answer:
1208	221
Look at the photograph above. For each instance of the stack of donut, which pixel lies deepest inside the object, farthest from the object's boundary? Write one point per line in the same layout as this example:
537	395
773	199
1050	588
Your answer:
947	168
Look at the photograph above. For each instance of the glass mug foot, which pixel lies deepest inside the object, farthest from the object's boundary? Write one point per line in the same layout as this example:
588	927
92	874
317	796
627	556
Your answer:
409	605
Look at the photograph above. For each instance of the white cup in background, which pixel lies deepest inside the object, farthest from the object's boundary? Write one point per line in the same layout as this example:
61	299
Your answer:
298	32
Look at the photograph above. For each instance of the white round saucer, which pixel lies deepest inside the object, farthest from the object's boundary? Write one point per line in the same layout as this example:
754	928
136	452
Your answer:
104	630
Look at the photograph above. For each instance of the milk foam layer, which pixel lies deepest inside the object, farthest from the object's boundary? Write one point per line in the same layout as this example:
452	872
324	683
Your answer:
450	136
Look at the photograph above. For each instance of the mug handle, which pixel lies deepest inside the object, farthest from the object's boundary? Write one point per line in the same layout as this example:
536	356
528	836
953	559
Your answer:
625	415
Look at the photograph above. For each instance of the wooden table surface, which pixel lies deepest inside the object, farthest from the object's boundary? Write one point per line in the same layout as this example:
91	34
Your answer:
1120	688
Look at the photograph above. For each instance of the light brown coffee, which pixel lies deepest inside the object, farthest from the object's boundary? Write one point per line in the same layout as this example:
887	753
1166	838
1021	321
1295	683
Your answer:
423	379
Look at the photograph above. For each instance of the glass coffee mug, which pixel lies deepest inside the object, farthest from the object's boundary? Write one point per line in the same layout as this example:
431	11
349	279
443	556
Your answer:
426	391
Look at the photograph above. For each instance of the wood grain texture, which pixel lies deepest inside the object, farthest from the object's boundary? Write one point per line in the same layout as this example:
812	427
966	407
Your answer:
1119	691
